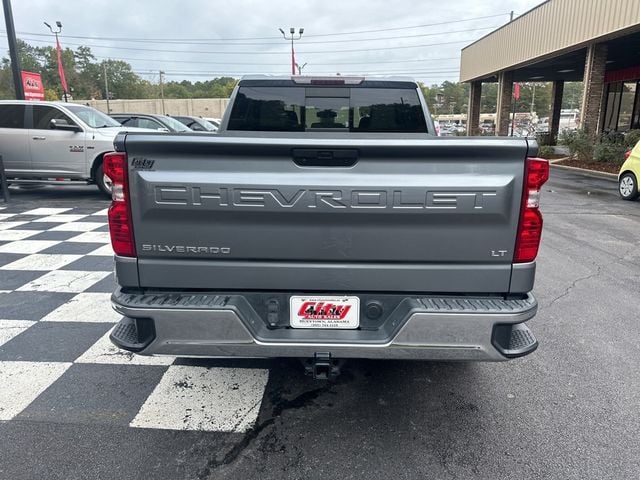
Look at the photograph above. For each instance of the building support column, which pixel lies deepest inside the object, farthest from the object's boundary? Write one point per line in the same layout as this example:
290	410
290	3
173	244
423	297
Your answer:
505	89
473	110
557	89
594	69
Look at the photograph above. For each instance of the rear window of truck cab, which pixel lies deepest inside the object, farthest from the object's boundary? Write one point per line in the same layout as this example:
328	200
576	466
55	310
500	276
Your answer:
299	109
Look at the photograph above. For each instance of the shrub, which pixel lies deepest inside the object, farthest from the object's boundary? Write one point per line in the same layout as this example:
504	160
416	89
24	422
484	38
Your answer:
631	138
609	152
579	142
543	139
546	151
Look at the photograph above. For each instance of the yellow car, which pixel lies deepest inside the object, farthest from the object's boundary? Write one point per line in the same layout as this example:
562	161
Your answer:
629	175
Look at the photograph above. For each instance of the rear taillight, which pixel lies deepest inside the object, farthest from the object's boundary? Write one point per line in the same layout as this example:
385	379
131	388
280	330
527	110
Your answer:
120	222
530	225
627	154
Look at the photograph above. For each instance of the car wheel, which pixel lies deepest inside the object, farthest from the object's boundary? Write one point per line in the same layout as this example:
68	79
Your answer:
628	186
104	183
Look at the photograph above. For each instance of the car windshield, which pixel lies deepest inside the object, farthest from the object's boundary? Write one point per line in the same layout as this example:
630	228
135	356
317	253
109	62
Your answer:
92	117
174	124
208	125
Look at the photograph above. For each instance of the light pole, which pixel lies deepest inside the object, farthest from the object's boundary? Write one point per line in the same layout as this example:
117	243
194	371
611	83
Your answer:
162	90
292	37
106	86
13	50
300	67
63	81
439	101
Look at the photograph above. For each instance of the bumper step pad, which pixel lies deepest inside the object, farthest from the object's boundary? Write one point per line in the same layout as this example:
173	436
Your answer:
133	334
514	340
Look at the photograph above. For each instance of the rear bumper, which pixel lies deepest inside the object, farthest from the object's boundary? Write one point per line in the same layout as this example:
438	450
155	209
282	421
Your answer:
419	328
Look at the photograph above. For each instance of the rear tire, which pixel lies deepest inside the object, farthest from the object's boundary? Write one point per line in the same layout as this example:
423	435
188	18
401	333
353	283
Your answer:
103	182
628	186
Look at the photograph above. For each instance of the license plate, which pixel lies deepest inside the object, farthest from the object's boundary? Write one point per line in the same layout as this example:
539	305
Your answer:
324	312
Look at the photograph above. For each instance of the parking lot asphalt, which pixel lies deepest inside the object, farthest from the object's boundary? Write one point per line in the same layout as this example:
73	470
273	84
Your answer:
568	411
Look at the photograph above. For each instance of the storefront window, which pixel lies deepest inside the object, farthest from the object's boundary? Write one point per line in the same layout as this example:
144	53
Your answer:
613	106
635	123
626	105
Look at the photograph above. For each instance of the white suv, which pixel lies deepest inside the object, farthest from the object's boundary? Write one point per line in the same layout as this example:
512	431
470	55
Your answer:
55	142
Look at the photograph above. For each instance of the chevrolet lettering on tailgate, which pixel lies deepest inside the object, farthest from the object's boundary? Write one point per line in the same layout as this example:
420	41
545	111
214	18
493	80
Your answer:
223	197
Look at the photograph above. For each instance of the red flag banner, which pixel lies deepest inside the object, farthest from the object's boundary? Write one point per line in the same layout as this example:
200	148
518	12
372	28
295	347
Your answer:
516	91
293	61
63	80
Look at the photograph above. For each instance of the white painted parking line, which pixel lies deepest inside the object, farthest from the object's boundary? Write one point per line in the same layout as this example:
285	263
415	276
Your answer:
40	261
4	216
204	399
13	235
103	251
76	227
86	307
60	218
91	237
46	211
6	225
11	328
103	351
27	246
22	382
68	281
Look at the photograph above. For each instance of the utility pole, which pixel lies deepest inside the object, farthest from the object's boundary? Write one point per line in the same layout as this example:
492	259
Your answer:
293	37
63	80
106	86
13	50
162	91
533	99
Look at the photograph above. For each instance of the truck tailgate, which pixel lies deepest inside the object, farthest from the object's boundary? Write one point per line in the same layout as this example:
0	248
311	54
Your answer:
286	213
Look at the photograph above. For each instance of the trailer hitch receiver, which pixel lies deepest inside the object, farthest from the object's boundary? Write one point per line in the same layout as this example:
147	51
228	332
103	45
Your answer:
322	366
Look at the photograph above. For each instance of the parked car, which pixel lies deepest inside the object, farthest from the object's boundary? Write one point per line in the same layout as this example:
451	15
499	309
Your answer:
327	222
162	123
629	174
214	121
55	142
197	124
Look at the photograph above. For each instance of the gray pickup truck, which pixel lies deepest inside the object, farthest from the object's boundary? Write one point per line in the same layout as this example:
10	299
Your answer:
325	221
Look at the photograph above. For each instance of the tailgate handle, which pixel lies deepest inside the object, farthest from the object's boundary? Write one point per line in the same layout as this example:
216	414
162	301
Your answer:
309	157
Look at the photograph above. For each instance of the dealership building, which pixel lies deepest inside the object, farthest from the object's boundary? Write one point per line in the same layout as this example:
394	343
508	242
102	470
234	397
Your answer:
593	41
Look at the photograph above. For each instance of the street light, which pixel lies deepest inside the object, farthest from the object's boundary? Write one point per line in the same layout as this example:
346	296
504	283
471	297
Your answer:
63	81
300	67
292	37
162	91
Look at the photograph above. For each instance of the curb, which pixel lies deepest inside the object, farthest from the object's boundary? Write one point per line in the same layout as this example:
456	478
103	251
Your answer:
556	160
589	173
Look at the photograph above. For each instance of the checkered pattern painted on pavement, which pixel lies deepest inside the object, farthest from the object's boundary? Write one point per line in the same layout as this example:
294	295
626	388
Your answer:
56	360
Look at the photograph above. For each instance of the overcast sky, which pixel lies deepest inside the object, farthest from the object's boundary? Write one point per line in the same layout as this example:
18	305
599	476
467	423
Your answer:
199	39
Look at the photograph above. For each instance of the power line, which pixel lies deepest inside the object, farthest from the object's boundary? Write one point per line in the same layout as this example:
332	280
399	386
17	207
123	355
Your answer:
227	73
356	32
305	52
279	64
219	43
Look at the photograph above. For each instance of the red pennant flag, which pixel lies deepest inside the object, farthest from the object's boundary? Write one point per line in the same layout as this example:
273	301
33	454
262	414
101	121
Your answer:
63	80
293	61
516	91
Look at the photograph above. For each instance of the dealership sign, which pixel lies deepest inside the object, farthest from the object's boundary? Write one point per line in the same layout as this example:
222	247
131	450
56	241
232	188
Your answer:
32	84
